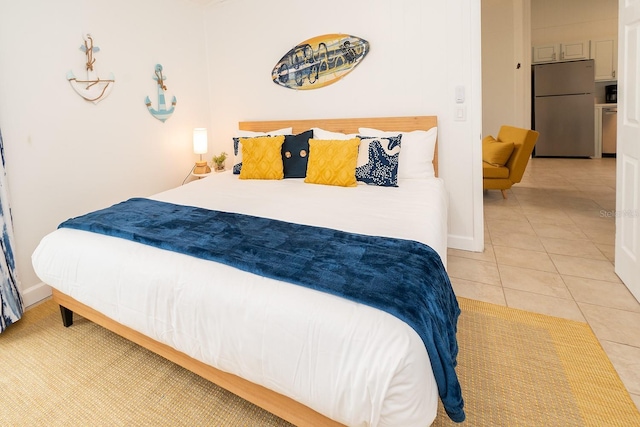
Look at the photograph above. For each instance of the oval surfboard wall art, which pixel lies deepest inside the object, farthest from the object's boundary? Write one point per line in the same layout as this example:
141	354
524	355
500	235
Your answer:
319	61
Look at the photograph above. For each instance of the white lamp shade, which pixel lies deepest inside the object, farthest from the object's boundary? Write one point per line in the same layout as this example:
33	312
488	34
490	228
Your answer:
200	140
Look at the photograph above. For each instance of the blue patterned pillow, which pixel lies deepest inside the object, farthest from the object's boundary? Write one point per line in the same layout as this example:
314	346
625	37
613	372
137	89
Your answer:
237	151
378	160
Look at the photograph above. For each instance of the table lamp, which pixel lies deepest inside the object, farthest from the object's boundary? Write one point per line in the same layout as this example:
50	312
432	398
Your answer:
200	147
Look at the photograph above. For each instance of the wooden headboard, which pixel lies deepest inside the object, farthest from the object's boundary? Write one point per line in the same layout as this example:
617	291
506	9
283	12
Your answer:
405	124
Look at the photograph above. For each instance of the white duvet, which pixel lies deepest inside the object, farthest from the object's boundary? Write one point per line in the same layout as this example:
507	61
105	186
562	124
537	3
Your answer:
353	363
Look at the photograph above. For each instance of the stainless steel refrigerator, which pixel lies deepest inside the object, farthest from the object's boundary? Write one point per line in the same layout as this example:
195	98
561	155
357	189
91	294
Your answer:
563	109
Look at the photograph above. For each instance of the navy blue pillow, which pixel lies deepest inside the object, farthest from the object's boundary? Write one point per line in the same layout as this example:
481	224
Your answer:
295	154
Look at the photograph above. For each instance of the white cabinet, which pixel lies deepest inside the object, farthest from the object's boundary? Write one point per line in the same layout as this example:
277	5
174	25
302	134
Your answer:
570	51
604	52
546	53
566	51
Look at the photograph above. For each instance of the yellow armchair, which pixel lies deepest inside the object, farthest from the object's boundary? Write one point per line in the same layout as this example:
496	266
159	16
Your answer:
505	158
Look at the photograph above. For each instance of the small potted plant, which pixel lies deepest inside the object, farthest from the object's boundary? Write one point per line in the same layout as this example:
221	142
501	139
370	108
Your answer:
218	161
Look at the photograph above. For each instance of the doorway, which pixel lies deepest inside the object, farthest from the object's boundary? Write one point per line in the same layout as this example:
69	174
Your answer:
506	59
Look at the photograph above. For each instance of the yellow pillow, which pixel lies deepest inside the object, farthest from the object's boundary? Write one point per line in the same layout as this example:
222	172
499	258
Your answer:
495	152
262	158
332	162
487	140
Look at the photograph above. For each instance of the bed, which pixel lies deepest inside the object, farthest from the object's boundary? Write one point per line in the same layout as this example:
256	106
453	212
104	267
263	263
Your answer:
310	357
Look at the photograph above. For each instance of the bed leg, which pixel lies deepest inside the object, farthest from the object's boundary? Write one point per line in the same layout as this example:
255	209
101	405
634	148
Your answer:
67	316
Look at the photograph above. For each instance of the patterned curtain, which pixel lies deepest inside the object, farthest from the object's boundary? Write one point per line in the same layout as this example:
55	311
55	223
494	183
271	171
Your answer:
12	305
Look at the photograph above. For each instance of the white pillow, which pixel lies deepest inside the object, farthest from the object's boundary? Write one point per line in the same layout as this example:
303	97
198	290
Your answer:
251	134
327	134
237	146
416	154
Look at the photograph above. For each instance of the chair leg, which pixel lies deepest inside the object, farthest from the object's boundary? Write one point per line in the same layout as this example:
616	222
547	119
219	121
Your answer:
504	194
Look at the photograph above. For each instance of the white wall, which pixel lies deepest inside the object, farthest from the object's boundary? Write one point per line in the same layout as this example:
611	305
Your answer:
66	156
506	42
554	21
420	51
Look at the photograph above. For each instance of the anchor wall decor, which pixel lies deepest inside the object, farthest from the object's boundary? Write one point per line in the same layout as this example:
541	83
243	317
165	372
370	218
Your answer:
162	113
93	89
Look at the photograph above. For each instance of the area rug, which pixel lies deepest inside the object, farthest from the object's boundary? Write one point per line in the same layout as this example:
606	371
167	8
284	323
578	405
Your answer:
519	368
516	369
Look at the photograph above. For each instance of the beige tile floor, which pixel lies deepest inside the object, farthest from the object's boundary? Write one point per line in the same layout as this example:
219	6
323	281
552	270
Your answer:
549	248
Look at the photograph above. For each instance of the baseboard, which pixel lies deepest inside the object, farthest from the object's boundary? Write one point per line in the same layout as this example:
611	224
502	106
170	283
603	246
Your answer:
465	243
35	294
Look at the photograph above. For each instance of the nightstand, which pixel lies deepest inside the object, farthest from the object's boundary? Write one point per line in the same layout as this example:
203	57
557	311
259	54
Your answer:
201	175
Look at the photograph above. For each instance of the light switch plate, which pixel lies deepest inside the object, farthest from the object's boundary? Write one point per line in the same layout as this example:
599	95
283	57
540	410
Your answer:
459	94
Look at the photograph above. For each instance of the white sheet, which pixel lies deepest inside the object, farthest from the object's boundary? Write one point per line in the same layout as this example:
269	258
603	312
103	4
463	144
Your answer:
355	364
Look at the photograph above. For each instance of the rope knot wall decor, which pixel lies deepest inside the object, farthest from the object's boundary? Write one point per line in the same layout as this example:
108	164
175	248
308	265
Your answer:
93	88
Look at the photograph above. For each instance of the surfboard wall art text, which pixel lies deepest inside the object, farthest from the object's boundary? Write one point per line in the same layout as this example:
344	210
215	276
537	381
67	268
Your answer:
93	88
319	61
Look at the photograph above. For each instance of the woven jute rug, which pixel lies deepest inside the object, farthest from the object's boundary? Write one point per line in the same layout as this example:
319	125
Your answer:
519	368
516	369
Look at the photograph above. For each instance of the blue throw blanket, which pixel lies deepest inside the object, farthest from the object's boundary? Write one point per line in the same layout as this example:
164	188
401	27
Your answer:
402	277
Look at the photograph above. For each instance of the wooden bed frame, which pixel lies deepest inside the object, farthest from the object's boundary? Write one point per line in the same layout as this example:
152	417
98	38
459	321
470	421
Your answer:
276	403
